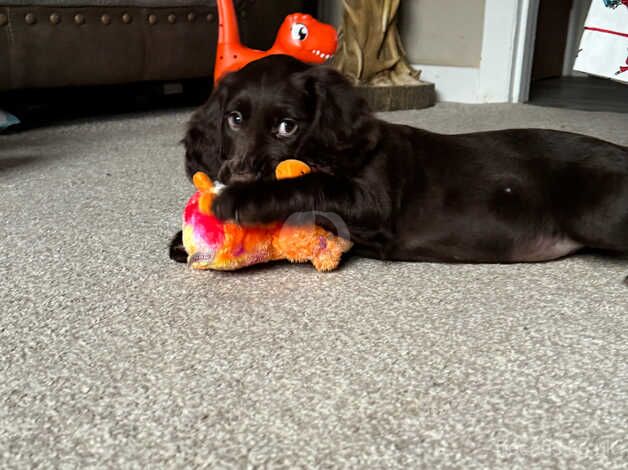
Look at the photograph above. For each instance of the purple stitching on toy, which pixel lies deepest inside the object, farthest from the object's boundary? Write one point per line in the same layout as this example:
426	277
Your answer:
322	242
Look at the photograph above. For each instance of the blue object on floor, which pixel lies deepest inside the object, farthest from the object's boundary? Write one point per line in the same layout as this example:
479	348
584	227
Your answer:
7	119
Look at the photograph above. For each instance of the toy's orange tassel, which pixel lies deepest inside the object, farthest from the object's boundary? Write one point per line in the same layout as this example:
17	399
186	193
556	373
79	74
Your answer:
204	185
291	169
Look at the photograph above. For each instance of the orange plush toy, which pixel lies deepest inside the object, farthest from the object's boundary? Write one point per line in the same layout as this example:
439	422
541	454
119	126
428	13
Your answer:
300	36
213	244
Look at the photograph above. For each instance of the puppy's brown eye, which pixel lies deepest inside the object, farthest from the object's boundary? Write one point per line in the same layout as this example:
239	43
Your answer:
287	127
234	119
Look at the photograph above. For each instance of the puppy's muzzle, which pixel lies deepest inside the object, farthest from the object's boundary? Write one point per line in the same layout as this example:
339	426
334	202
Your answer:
236	174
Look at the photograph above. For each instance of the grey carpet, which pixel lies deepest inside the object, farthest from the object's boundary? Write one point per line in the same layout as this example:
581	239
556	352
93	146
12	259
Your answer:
113	356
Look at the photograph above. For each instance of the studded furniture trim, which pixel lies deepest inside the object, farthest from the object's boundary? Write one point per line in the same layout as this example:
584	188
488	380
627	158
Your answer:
52	46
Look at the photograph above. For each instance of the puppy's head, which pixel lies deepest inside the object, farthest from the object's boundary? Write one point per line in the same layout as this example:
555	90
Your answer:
274	109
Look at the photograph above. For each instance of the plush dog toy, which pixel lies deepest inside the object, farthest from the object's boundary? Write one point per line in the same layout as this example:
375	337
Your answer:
213	244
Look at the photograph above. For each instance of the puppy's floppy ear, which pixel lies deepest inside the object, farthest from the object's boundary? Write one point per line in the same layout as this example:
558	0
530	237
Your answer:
343	122
203	139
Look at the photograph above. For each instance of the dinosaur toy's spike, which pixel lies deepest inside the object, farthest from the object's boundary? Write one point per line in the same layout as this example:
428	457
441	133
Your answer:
227	23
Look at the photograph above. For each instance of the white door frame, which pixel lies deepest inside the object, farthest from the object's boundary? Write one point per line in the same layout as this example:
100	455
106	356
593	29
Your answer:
523	52
577	16
506	58
507	50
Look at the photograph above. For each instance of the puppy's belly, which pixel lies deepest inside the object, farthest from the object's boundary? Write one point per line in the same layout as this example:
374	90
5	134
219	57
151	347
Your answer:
485	248
545	248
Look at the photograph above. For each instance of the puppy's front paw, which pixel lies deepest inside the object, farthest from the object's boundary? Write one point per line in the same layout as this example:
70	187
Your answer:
225	205
237	203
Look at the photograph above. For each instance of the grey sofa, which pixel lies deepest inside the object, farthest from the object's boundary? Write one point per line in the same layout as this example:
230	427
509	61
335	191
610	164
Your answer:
53	43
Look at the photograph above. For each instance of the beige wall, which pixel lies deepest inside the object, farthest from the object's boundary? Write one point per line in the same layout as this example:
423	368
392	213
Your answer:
434	32
442	32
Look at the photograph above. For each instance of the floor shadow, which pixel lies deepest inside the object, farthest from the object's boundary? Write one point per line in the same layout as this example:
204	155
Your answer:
38	149
38	108
603	254
10	163
584	93
266	267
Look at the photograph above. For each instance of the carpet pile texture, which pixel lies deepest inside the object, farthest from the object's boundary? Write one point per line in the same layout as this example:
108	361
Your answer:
112	355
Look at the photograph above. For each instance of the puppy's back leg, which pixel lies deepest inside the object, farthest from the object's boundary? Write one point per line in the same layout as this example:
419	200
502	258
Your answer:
177	251
599	217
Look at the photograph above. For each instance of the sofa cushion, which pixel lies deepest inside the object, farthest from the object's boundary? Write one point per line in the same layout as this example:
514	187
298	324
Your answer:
48	43
49	46
111	3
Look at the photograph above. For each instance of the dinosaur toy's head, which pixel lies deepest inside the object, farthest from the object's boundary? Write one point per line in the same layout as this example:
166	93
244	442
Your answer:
305	38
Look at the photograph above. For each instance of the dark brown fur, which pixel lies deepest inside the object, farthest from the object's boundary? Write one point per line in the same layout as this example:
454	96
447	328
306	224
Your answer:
405	193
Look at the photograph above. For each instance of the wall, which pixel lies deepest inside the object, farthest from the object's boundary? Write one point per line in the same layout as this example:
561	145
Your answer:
474	51
435	32
442	32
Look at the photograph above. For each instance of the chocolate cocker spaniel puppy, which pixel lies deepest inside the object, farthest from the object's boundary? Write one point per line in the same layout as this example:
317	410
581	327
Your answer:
404	193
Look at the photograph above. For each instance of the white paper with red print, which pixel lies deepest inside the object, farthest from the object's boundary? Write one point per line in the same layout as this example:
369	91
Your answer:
604	45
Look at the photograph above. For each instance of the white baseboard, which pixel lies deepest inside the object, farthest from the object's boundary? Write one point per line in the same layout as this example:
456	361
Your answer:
457	84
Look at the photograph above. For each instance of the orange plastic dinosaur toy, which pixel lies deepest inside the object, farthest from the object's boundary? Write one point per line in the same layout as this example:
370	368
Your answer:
300	36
